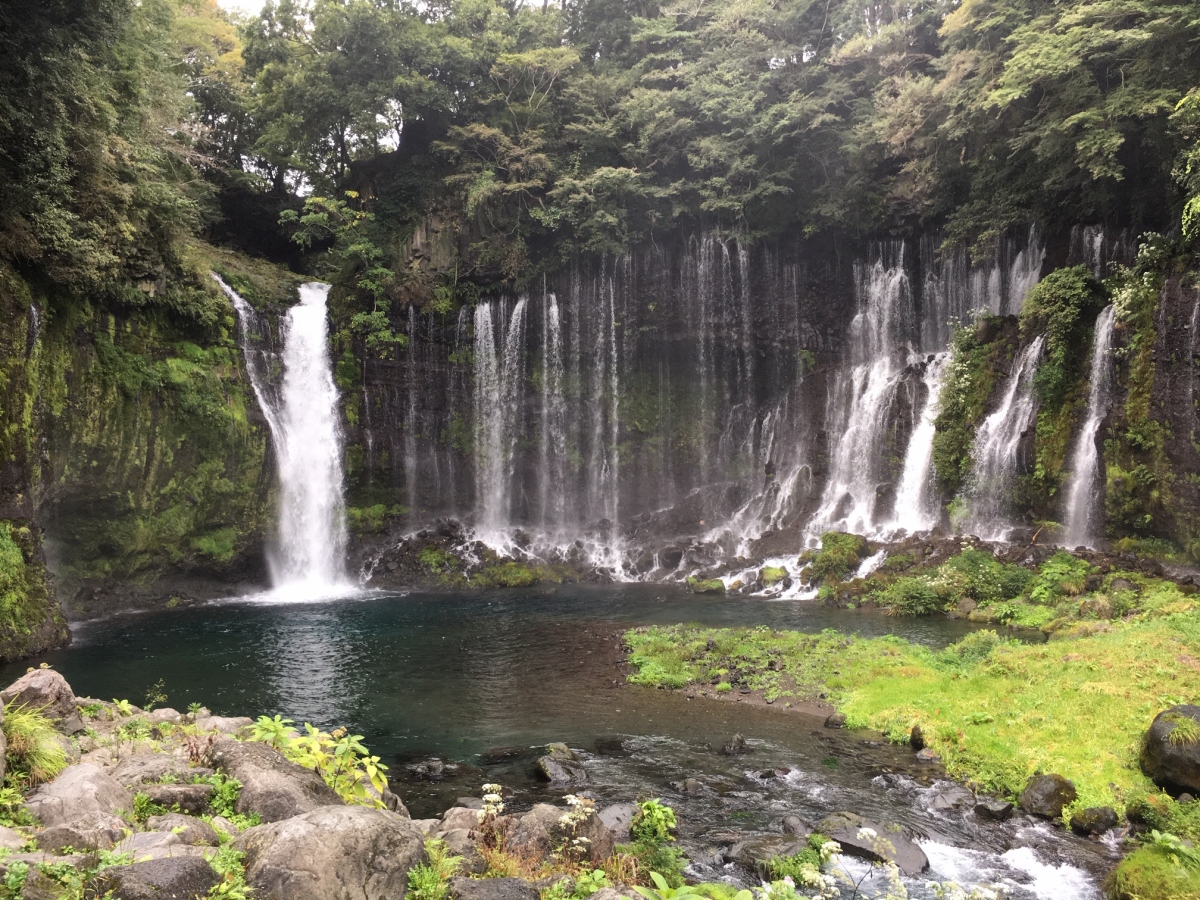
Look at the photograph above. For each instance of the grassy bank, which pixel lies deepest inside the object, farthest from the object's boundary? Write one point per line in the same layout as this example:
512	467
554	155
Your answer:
995	710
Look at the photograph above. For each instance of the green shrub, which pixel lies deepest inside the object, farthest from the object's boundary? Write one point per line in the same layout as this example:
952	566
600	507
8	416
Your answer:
1055	307
34	753
838	558
1062	575
653	842
910	595
429	880
978	575
799	866
971	650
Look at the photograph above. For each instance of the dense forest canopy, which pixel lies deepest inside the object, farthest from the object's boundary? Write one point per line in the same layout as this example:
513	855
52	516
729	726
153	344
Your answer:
541	129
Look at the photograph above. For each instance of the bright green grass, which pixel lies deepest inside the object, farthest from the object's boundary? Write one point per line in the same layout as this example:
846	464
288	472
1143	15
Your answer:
995	711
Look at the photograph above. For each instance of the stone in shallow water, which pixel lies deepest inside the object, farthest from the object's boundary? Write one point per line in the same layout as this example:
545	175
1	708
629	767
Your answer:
996	810
1046	795
1095	820
837	720
877	844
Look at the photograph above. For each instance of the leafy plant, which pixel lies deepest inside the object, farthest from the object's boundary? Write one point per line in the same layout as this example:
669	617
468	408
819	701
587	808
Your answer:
652	844
428	880
1184	732
588	883
124	707
34	752
144	807
156	695
664	891
229	864
338	757
277	731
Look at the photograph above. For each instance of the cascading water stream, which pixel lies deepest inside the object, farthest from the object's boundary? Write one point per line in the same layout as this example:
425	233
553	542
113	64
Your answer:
308	559
996	449
917	506
1084	464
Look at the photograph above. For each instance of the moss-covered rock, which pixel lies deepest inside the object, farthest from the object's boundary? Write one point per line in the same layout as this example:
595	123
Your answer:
1150	873
838	558
706	586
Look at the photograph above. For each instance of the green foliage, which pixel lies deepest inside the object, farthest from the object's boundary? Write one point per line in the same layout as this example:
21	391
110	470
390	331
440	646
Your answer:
1153	871
514	574
429	880
371	519
1055	307
144	807
664	890
223	799
652	845
230	866
1184	732
34	753
277	732
800	866
773	574
910	596
338	757
12	808
1062	575
437	560
705	585
838	558
978	575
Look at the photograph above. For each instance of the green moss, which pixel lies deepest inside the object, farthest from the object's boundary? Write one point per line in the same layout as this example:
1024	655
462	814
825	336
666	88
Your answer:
371	519
262	284
773	574
994	710
838	558
437	560
978	354
709	586
1150	873
514	574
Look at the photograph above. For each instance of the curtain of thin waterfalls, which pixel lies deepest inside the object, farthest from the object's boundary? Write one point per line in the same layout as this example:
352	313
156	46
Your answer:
499	400
554	419
918	507
860	401
302	415
1083	490
997	442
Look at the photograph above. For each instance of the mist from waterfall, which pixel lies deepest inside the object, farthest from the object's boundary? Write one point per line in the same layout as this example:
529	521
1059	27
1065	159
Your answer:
296	392
1084	488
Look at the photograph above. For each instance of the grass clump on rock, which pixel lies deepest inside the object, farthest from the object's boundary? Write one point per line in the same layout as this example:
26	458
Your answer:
837	560
35	753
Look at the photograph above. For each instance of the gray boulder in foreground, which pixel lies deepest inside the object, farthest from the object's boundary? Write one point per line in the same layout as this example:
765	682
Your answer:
46	690
492	889
78	792
540	831
272	786
177	878
332	853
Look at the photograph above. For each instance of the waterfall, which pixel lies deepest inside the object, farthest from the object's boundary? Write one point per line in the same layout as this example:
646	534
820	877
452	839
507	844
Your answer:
1083	488
553	413
308	558
996	447
499	399
861	398
917	506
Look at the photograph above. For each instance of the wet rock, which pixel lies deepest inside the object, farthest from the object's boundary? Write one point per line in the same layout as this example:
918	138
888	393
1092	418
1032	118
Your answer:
48	691
183	877
839	821
1173	764
1046	795
541	831
837	720
871	842
952	798
190	830
151	768
995	810
562	766
927	756
96	831
916	739
1095	820
755	854
78	792
734	746
797	826
191	798
332	853
688	786
492	889
272	786
618	817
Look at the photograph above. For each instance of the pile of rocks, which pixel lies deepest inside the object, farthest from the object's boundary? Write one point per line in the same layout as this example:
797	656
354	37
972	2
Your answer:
311	845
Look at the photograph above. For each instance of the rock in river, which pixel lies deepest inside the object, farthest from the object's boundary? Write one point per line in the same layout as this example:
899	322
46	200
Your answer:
1046	795
867	840
562	766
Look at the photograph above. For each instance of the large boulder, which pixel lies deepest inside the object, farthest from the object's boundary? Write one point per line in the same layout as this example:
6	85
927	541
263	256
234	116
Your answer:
1171	749
1094	821
178	878
562	766
47	691
1046	795
492	889
619	818
542	830
460	817
96	831
332	853
755	854
224	724
272	786
869	841
78	792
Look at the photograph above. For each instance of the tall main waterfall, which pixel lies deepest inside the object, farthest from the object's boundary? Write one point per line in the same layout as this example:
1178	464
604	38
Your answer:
300	404
1084	464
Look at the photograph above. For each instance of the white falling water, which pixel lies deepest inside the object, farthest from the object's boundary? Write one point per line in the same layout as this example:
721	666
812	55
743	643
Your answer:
1084	464
499	394
996	444
861	398
917	505
554	418
308	559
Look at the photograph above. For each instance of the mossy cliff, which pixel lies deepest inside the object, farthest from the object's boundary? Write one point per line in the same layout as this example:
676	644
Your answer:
131	436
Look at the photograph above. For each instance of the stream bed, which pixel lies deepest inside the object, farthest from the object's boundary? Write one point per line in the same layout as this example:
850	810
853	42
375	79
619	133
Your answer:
453	690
